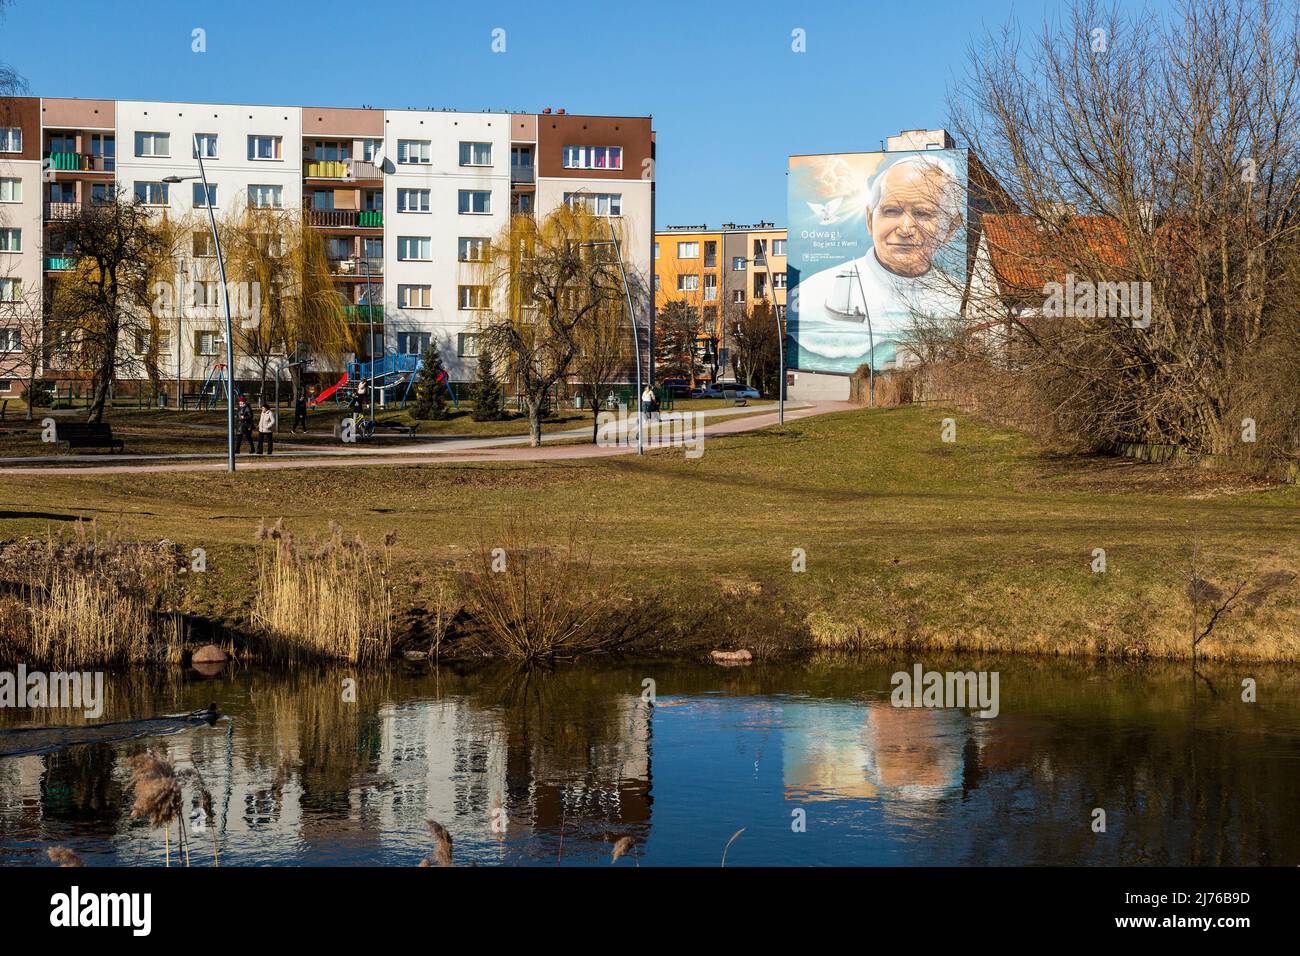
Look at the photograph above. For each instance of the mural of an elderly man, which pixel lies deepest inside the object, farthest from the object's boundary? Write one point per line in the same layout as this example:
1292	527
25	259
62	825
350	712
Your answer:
915	207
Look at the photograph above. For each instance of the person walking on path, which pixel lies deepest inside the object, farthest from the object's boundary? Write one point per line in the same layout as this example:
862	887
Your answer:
245	426
647	401
266	430
300	411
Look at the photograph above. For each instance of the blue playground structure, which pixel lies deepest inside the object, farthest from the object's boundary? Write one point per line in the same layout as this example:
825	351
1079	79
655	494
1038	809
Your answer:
393	374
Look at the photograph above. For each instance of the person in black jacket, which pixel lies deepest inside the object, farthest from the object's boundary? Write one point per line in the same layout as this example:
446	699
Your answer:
245	426
300	411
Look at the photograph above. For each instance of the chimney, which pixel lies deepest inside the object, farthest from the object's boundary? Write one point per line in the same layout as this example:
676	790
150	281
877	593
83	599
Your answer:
560	111
546	110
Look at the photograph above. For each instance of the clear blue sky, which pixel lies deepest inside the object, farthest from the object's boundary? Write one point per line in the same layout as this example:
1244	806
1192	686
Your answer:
730	100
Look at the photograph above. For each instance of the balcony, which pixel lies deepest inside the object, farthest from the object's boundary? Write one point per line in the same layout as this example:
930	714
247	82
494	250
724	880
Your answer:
357	266
522	174
344	170
59	211
347	218
364	313
60	263
81	162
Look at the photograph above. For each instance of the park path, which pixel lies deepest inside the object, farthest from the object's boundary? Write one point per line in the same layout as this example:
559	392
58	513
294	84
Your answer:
450	451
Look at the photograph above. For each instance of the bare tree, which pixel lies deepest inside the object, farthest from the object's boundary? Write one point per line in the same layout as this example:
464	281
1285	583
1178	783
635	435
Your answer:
22	324
754	345
604	355
106	299
1156	166
538	285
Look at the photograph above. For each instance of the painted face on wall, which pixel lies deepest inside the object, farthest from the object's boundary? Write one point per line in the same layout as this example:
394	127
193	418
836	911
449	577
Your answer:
910	224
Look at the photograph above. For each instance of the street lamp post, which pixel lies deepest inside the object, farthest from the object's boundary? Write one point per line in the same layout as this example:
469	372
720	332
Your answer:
225	300
780	332
871	341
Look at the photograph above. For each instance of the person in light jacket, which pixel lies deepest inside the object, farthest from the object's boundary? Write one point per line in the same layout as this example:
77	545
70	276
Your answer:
266	430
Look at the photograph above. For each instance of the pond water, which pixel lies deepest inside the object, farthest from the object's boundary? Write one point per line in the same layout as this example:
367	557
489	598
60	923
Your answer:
809	759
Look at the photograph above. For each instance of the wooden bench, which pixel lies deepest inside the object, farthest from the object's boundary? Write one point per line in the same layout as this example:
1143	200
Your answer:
729	395
82	435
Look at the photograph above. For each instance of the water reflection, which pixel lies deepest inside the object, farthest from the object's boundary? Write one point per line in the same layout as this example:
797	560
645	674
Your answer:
547	767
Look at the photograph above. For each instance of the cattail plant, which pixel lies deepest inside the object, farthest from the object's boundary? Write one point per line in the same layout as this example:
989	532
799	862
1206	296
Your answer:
157	796
63	857
441	855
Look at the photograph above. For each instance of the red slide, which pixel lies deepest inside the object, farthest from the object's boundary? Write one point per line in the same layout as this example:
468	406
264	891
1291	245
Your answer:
331	390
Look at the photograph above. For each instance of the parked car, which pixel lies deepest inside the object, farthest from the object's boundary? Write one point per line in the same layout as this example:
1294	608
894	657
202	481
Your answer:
717	388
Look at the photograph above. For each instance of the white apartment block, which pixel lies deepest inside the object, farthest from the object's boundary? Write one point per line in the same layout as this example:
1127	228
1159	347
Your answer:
403	198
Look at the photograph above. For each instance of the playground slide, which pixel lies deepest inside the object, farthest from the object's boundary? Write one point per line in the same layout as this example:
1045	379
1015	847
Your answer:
331	390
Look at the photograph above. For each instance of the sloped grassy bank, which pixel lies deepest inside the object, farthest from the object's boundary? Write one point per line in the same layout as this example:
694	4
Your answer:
859	530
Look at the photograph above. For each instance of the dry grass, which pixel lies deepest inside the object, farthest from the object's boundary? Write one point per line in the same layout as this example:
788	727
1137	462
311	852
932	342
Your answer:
331	599
89	599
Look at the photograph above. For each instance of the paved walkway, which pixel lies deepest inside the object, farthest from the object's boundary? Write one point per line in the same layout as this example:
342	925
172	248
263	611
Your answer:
446	450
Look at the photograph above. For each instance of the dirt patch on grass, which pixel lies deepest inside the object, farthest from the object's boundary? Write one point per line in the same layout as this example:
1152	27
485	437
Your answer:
1104	474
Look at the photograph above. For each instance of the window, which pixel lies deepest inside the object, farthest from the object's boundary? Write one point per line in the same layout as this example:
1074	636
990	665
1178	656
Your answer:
142	342
656	250
413	200
206	343
688	250
778	247
414	297
151	194
593	157
332	152
266	197
205	145
370	149
203	247
778	280
738	296
737	263
11	190
11	139
710	288
264	147
11	240
337	248
372	248
472	297
205	294
476	154
414	248
472	249
466	344
477	202
204	197
601	204
322	199
373	200
102	193
711	255
760	249
11	340
157	145
688	283
63	192
413	151
11	290
413	343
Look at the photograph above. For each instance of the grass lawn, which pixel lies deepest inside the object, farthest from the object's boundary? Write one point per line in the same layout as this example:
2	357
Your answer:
983	544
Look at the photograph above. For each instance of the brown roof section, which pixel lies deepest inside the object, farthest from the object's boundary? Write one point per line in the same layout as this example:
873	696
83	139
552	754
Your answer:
1025	257
25	113
558	130
335	121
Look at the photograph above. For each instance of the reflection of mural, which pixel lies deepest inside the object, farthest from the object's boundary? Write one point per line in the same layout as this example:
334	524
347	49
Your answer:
875	239
837	752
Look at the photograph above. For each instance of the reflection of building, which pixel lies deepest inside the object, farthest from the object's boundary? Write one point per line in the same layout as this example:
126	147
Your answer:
719	274
839	751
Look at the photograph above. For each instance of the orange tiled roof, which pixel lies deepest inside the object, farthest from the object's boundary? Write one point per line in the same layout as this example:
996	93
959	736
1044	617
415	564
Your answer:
1023	258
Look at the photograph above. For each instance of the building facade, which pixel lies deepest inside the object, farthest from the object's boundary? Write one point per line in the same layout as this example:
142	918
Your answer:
722	272
404	201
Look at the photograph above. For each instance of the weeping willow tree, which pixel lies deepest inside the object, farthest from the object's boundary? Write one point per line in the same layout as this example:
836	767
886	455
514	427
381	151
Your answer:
541	285
288	300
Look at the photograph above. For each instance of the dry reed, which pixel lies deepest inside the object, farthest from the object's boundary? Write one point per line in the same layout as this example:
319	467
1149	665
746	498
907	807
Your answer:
330	599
